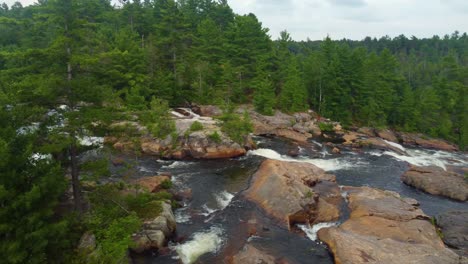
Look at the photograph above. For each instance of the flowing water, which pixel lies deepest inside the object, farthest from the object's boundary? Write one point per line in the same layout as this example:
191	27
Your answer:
217	222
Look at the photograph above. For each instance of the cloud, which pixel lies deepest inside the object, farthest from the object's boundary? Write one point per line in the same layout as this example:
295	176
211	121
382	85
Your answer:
348	3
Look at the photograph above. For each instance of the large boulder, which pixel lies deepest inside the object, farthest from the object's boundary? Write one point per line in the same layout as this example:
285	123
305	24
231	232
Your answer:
207	110
155	232
436	181
251	255
285	191
425	142
298	127
387	135
454	227
385	228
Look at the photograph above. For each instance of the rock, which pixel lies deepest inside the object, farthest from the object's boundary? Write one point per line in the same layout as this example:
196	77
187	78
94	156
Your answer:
251	255
337	127
110	140
336	150
151	148
368	131
152	184
302	117
185	194
155	232
87	243
436	181
385	228
124	146
294	152
454	227
208	110
118	161
378	143
146	240
425	142
387	135
284	191
293	135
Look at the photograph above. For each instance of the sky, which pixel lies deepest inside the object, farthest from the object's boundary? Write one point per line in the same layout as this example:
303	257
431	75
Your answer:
353	19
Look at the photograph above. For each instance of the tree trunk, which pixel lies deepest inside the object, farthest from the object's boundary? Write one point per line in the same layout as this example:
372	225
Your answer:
77	199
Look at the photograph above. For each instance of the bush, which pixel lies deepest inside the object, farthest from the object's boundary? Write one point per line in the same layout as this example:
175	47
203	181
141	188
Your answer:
196	126
215	137
157	119
236	127
166	184
326	127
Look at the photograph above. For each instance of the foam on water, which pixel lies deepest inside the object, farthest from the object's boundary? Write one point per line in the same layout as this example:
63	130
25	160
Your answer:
201	243
91	141
396	145
177	164
223	199
429	158
325	164
311	231
181	216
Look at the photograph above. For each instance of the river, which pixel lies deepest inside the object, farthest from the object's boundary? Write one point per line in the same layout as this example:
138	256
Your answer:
217	222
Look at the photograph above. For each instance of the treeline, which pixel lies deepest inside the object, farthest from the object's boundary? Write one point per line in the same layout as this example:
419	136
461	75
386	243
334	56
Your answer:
200	51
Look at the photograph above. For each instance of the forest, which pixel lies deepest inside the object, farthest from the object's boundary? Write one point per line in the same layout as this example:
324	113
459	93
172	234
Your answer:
92	62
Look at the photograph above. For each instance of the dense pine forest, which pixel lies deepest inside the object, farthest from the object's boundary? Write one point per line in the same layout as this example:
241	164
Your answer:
103	61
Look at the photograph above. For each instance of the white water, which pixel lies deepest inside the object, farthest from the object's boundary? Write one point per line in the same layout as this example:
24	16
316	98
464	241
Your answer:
177	164
311	231
430	158
395	145
91	141
182	216
201	243
223	199
325	164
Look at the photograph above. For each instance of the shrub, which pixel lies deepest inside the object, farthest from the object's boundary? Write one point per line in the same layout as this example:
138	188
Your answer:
326	127
215	137
196	126
235	126
166	184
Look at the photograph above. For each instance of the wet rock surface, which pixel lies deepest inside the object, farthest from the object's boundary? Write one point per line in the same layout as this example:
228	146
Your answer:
436	181
384	228
454	227
285	191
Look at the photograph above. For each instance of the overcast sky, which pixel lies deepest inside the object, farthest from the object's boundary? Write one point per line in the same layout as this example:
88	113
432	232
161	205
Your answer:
354	19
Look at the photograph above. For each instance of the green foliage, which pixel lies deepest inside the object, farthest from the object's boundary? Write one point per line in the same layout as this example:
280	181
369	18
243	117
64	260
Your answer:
326	127
95	169
196	126
30	189
166	184
116	214
157	119
235	126
215	137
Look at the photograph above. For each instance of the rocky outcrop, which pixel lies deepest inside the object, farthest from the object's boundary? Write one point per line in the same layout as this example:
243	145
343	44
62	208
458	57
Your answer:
251	255
361	140
420	140
155	232
294	192
436	181
298	127
207	110
208	143
152	184
384	228
387	135
454	227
